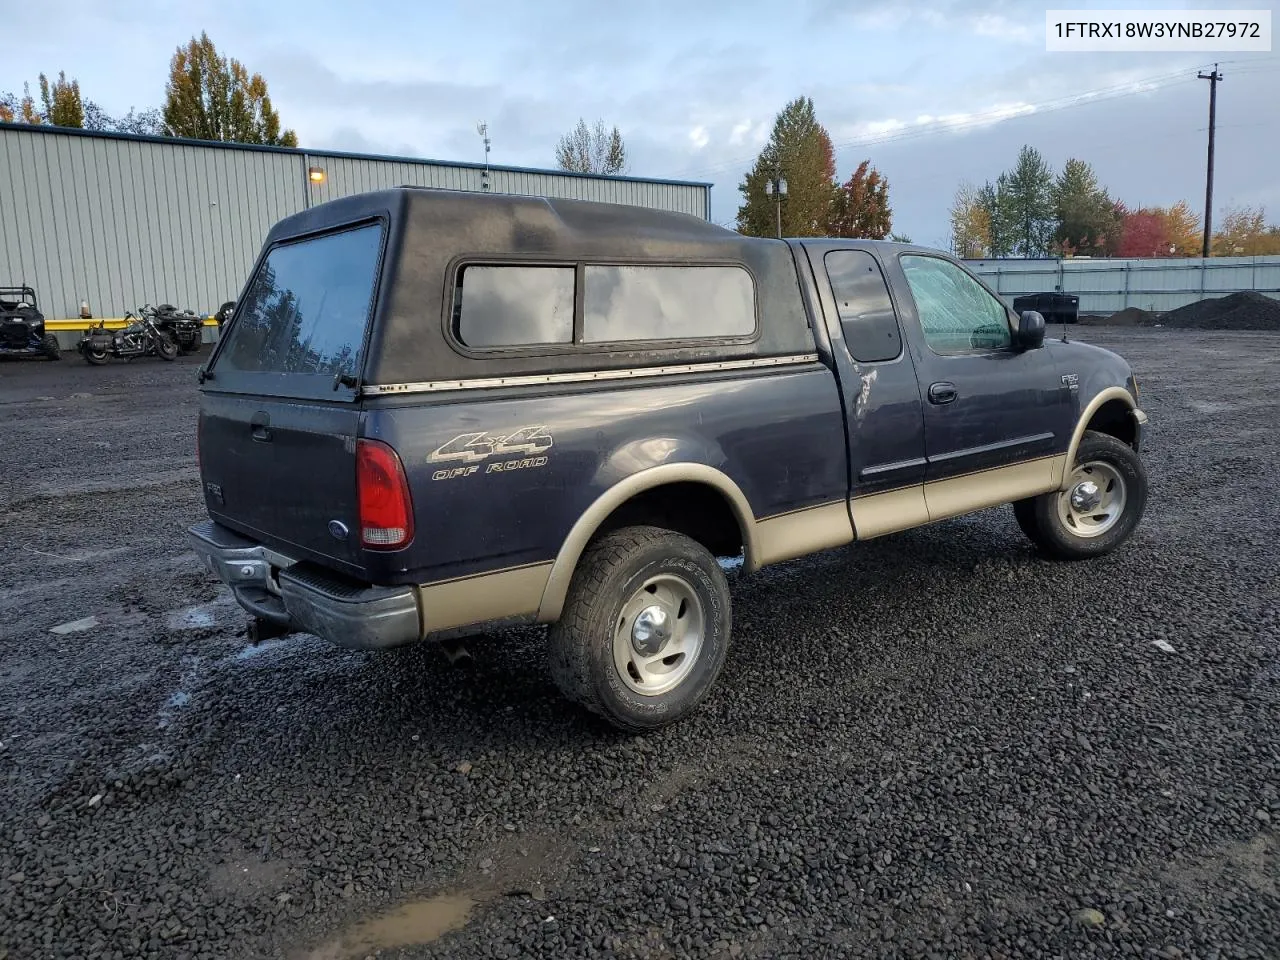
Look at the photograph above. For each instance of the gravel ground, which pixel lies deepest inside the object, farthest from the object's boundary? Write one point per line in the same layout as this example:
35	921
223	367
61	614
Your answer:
933	745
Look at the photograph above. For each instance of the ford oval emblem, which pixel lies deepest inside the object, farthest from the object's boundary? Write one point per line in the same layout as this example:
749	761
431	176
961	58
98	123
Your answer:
338	529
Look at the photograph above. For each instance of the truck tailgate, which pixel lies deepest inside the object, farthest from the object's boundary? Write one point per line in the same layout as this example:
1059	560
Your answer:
284	472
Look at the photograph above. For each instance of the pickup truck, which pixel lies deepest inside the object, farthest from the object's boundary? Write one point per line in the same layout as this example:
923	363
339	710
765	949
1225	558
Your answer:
435	412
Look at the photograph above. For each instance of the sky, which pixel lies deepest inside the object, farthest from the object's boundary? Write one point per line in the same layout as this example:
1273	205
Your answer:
932	92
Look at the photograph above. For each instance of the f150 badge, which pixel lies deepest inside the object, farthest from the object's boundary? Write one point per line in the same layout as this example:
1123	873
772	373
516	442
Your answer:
1071	381
474	448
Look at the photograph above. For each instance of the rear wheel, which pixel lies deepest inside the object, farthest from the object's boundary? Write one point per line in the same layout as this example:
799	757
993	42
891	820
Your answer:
645	628
1103	497
97	357
52	349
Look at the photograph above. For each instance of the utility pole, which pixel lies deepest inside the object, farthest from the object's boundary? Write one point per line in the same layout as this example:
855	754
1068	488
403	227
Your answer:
1213	79
776	187
482	128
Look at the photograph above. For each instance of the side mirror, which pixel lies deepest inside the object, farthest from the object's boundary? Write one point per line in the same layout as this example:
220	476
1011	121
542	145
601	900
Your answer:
1030	330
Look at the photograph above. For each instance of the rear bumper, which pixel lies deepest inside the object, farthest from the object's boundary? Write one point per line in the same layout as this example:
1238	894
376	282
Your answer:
306	598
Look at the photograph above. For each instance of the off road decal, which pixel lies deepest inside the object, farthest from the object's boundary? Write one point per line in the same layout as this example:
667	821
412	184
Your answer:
474	448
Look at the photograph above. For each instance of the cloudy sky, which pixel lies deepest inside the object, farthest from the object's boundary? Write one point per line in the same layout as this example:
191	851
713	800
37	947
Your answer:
931	91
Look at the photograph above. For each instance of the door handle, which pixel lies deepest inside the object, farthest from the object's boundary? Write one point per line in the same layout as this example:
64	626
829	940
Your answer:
942	392
260	423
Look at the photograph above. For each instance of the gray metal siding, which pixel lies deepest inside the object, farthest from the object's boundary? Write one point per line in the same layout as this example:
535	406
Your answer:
1108	286
121	222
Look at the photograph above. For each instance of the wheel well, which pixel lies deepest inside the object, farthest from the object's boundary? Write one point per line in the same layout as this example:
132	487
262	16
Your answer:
698	511
1115	418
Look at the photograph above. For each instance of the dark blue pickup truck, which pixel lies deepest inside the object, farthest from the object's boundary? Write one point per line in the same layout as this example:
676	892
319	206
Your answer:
434	412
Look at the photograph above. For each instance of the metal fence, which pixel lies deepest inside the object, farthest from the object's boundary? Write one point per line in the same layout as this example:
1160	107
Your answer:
1108	286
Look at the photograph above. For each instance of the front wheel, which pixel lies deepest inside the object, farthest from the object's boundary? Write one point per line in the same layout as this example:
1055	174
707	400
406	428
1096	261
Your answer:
52	349
1103	497
166	349
645	628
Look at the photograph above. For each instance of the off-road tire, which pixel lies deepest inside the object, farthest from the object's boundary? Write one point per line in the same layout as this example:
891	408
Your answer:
166	349
1039	516
580	644
52	349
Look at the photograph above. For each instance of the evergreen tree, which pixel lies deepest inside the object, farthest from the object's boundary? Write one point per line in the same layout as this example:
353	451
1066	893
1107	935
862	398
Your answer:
799	151
1028	204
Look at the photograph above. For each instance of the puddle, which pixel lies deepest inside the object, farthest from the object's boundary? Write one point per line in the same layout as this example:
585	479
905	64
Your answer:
180	699
730	563
412	924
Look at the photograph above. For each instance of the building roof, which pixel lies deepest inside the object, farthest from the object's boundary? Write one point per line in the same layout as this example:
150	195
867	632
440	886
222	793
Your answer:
306	151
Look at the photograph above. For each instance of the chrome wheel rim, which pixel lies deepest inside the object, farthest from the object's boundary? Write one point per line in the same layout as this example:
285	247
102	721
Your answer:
1093	500
658	635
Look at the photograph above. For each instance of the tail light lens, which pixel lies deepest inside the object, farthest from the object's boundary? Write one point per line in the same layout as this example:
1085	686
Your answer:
386	510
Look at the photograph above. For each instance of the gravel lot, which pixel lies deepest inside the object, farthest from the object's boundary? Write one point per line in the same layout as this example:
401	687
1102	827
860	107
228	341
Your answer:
934	745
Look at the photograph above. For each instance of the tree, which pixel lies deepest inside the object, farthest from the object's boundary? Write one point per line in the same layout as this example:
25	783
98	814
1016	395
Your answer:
900	238
211	97
1185	234
800	151
1028	204
1243	232
861	206
1087	220
592	149
14	109
61	99
997	208
970	223
147	123
1144	233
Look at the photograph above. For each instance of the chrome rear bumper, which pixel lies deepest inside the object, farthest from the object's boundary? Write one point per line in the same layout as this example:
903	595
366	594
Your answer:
307	598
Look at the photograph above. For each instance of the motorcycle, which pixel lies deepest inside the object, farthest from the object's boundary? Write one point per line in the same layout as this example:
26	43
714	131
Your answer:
183	327
141	338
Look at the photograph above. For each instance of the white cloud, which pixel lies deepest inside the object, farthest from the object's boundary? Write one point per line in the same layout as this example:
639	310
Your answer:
1002	28
699	137
739	132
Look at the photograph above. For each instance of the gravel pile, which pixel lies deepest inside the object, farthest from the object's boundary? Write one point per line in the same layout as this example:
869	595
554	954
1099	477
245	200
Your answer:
930	745
1237	311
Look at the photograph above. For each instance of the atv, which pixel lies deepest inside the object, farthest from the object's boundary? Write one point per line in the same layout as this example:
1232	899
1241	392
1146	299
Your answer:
22	326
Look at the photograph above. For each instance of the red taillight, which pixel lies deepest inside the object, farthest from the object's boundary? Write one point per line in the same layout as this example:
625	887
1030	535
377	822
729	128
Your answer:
386	510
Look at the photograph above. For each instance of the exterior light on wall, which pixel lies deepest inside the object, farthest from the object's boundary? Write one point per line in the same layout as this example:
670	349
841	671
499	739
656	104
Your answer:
315	174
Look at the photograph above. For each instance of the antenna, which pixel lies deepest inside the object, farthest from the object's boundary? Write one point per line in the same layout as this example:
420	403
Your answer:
482	128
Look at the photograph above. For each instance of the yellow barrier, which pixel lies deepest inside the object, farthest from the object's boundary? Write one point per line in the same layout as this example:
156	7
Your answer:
112	323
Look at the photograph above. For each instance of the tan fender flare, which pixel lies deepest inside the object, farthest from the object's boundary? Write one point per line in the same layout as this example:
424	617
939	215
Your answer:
1106	396
566	561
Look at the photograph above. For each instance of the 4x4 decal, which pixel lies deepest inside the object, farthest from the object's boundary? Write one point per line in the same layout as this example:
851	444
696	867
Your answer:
472	448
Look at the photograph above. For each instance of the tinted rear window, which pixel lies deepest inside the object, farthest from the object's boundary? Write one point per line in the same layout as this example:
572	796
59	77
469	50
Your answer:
627	303
304	315
514	306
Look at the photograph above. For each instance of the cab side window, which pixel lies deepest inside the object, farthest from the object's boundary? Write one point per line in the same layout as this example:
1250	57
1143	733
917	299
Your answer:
867	319
957	314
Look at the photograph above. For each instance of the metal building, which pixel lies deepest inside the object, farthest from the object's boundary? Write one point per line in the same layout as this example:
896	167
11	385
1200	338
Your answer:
118	221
